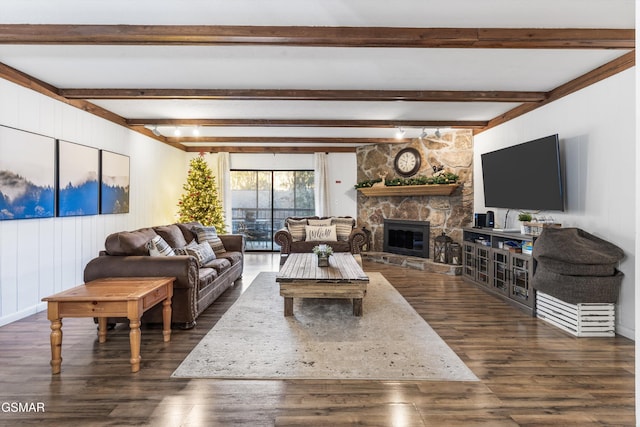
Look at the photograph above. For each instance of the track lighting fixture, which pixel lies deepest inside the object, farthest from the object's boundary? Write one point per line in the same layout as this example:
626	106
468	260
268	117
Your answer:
438	134
155	131
423	135
176	131
400	133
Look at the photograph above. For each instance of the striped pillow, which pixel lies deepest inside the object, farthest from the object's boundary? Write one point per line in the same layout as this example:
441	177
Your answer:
159	247
210	235
183	250
325	222
202	252
296	228
344	226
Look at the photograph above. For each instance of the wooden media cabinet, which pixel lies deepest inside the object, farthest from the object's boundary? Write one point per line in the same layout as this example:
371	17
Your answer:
489	263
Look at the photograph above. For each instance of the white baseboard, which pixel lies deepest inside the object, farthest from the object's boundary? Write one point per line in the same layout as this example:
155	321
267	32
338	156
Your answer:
5	320
625	332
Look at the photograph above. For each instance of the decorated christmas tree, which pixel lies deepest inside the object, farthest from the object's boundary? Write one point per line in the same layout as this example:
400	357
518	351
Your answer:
200	200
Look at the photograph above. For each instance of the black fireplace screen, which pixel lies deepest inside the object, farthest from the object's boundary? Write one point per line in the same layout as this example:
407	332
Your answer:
406	237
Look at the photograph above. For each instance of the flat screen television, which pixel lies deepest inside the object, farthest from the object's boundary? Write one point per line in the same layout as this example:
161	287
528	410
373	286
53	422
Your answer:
526	176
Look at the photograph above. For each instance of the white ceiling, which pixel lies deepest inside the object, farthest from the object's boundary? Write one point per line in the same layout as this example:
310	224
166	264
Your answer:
294	67
399	13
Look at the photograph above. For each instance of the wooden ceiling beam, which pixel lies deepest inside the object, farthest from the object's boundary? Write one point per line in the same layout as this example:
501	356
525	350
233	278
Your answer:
500	38
307	95
466	124
269	149
284	139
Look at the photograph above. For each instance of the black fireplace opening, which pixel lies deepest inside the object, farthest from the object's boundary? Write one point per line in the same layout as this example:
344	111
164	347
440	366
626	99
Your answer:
406	237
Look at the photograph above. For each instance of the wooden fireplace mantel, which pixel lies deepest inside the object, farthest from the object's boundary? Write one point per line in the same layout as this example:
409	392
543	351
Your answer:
410	190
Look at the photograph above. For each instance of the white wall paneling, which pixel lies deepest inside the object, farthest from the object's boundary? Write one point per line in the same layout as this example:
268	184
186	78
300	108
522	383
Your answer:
39	257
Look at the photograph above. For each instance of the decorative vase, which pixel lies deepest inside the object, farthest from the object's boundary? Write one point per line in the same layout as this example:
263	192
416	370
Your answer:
323	260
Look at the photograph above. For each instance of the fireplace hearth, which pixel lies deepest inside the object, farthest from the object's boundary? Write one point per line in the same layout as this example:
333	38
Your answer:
405	237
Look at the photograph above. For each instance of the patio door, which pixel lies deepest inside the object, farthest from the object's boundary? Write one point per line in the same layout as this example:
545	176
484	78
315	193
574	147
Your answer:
262	200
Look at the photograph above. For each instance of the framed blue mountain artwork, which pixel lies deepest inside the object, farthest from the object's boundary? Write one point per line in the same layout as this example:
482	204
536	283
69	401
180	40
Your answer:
78	173
27	175
114	183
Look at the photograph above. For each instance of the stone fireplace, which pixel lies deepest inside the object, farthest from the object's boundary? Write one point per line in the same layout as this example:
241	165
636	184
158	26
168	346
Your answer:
453	150
406	237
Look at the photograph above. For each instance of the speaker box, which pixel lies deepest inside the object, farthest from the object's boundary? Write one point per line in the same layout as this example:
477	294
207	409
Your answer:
479	220
490	222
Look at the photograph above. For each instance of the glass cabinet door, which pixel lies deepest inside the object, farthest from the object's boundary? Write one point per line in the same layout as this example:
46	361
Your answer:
482	264
521	278
469	260
500	270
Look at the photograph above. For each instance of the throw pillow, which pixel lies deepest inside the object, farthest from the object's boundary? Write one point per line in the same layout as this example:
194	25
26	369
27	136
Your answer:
183	250
159	247
320	221
320	233
210	235
172	235
344	226
202	252
296	228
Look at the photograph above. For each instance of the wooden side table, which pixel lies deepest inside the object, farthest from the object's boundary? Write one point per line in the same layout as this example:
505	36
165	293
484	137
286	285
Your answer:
112	297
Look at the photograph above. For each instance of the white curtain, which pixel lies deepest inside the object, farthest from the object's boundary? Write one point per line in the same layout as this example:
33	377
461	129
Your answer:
323	208
224	187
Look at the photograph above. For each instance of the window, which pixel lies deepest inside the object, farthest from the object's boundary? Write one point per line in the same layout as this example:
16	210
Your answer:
262	200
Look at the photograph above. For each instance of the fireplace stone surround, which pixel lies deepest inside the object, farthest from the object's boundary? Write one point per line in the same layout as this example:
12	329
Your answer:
449	214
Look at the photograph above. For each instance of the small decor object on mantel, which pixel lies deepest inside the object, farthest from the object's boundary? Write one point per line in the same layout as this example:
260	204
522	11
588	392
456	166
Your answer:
323	252
438	179
407	162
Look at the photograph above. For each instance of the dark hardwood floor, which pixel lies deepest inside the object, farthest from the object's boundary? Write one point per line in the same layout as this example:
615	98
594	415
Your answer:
531	373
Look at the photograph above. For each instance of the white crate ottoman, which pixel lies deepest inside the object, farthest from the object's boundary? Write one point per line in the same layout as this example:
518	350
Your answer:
580	320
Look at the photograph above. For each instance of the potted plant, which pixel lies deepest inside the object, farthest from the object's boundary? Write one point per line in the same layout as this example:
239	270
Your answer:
524	217
323	252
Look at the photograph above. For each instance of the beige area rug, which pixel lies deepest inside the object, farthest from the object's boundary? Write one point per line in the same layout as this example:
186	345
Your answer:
323	340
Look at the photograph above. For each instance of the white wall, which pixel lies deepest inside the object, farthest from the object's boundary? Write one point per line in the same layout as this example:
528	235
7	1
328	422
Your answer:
343	175
39	257
637	220
597	134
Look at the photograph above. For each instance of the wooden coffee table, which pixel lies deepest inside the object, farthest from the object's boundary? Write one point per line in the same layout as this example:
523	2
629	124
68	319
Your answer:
113	297
300	277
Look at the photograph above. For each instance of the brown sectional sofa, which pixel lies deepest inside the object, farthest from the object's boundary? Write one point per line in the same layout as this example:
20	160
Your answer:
353	242
195	288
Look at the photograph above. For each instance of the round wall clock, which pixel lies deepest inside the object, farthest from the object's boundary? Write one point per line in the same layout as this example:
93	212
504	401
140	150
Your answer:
407	162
